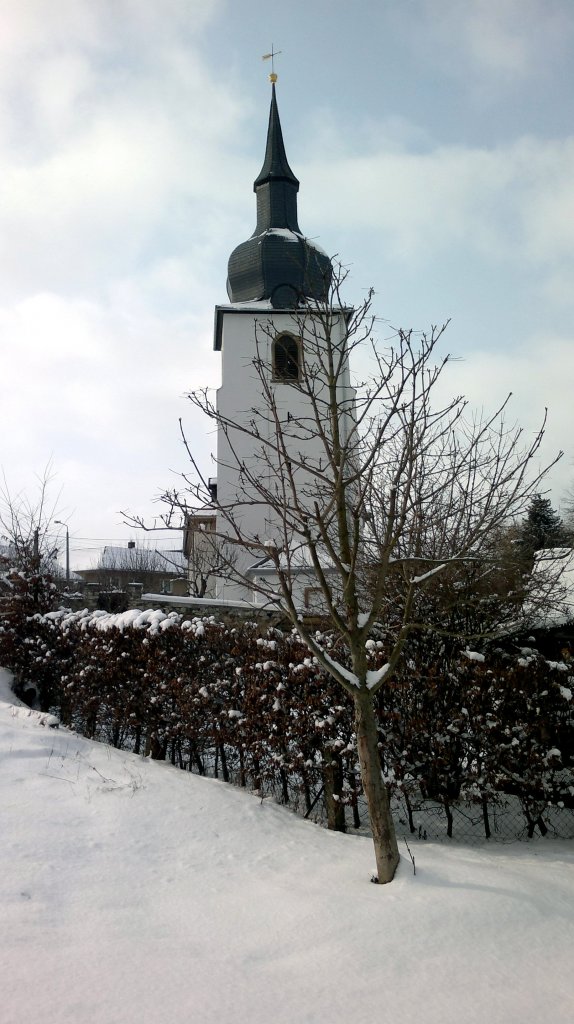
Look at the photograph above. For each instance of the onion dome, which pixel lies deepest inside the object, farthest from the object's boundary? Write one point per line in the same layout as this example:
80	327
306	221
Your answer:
277	263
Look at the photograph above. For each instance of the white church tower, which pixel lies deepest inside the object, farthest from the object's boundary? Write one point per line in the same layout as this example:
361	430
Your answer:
274	279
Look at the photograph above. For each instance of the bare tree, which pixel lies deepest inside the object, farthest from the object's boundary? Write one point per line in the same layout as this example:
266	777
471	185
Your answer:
568	508
209	555
143	565
370	493
26	535
26	520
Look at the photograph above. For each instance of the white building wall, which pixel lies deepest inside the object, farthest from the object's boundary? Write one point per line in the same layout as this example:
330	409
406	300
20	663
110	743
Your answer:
246	336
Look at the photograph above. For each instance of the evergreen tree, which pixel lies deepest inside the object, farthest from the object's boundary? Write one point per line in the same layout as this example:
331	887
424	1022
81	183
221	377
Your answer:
568	506
542	527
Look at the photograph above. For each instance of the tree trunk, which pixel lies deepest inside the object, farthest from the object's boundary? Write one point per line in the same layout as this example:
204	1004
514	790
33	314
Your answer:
484	802
333	786
307	793
284	787
376	794
409	808
355	800
449	818
224	768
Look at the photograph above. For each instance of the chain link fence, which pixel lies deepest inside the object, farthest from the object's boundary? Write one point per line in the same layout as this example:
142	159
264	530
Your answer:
506	821
500	818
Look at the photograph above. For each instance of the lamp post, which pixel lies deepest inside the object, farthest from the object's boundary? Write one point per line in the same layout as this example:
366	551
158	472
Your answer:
65	525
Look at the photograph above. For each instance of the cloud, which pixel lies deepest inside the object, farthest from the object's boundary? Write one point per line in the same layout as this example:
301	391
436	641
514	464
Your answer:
101	401
103	27
509	203
532	374
508	40
105	143
115	209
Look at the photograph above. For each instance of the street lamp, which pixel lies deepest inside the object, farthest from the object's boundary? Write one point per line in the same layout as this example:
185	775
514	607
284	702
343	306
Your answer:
65	525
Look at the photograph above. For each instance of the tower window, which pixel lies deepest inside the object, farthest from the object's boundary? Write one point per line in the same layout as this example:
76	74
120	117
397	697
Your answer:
286	358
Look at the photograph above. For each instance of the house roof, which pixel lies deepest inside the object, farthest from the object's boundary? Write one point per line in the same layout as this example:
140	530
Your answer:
142	560
552	596
299	560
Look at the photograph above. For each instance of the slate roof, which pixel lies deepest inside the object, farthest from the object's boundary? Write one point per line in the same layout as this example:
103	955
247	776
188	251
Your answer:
277	263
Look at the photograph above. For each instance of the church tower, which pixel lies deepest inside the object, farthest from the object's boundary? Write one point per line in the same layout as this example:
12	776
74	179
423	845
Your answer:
275	279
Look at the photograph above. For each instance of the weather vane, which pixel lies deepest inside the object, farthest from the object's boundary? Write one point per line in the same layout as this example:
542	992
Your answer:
271	56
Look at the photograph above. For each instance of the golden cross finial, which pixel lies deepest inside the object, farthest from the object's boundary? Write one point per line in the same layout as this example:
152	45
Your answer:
271	56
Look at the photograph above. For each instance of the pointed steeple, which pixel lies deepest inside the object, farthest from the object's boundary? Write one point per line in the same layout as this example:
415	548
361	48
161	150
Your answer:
277	263
276	187
275	165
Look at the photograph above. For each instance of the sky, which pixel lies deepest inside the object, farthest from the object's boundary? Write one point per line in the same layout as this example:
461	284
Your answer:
434	144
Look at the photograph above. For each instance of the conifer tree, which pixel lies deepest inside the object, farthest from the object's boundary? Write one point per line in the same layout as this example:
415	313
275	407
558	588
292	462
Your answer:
542	527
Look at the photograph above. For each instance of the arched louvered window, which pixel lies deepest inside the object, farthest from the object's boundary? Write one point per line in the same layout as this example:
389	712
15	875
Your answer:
286	358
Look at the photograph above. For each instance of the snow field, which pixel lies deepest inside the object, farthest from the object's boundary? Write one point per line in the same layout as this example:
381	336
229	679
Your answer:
133	892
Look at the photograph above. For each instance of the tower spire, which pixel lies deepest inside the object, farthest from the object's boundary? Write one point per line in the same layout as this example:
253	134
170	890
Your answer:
275	165
276	186
277	263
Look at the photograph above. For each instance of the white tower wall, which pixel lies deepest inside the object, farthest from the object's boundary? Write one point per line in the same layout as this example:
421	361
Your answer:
246	336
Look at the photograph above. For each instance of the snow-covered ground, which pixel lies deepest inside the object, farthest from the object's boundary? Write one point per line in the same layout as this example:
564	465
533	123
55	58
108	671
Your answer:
134	893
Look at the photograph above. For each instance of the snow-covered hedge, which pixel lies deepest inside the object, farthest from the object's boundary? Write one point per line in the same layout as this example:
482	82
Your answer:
255	708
